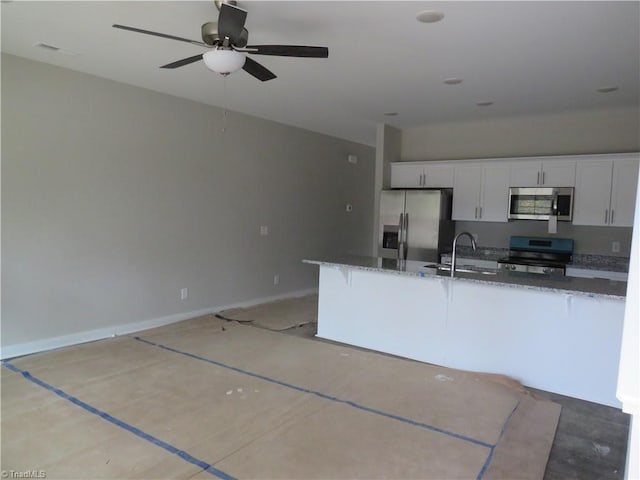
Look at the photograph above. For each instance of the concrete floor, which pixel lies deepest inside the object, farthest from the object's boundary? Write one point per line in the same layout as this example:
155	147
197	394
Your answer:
590	442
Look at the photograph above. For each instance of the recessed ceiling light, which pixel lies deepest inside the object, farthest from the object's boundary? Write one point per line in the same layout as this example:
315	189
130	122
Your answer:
453	81
430	16
612	88
484	104
391	114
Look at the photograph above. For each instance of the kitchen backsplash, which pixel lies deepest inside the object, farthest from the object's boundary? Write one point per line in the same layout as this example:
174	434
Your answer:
587	261
591	241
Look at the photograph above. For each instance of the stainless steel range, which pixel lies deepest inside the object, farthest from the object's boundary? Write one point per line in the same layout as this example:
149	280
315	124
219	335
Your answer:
547	256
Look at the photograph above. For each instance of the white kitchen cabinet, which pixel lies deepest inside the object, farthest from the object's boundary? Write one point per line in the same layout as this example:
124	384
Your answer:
605	192
550	173
420	175
624	185
481	192
466	192
494	195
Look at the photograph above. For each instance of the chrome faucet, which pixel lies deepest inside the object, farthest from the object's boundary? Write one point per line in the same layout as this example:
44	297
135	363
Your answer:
453	253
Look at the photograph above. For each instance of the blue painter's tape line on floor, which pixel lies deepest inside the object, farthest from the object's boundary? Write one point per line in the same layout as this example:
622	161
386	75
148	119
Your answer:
322	395
130	428
487	462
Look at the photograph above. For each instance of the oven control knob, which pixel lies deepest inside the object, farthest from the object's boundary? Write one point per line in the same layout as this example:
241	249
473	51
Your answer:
512	267
546	270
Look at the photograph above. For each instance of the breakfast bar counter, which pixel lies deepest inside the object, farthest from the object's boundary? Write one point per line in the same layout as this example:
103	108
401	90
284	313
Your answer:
559	334
560	284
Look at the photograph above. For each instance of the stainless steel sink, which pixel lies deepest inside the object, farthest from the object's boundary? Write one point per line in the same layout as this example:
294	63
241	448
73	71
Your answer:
462	268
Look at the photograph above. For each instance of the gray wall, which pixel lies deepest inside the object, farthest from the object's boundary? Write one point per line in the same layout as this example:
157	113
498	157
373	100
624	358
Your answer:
115	197
579	132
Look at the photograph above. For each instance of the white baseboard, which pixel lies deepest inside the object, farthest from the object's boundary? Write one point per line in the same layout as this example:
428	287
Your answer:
27	348
273	298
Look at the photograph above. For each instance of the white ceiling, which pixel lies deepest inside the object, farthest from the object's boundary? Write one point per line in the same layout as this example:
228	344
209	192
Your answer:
526	57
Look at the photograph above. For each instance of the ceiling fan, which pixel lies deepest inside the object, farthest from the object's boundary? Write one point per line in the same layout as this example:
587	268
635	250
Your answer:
227	40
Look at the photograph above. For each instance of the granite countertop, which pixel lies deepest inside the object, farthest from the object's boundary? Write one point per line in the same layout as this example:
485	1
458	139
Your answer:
600	262
592	287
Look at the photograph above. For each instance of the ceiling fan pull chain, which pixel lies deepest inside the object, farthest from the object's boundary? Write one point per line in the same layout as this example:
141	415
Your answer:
224	104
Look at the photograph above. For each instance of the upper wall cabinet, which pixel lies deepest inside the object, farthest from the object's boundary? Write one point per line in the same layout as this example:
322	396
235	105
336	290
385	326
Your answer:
481	192
421	175
606	191
552	173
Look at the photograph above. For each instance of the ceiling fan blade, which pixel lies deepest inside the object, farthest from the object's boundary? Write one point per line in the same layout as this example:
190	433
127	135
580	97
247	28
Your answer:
162	35
288	50
260	72
183	62
231	22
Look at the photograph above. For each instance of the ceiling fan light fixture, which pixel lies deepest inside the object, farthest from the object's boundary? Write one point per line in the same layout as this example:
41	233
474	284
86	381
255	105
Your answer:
224	61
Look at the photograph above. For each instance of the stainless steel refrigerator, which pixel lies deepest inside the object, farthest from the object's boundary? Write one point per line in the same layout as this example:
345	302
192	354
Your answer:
415	224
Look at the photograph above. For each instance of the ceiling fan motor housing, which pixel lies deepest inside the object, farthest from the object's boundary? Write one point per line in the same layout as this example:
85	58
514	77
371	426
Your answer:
220	2
210	35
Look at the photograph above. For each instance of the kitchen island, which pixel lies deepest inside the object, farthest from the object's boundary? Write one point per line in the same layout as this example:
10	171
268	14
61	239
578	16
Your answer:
560	334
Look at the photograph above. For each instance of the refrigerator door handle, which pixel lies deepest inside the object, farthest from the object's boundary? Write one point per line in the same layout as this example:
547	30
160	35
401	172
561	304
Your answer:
406	227
405	240
400	236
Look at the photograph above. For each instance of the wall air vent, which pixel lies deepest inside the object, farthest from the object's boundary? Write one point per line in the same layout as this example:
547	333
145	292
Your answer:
53	48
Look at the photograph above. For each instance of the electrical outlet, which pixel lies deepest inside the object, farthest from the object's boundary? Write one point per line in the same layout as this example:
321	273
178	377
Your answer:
264	230
352	159
276	279
615	247
184	293
348	207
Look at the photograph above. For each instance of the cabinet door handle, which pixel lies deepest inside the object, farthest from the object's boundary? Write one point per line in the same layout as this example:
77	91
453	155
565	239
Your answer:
613	212
480	212
476	212
542	178
538	180
606	216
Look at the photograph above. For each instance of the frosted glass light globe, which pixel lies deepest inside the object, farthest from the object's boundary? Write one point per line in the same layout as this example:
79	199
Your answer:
224	61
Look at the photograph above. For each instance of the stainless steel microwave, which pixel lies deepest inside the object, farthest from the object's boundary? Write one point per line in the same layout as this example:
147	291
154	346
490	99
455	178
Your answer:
540	203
